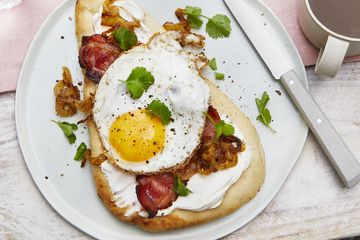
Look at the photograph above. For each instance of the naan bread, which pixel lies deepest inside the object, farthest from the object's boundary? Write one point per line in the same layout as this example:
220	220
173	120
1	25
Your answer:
238	194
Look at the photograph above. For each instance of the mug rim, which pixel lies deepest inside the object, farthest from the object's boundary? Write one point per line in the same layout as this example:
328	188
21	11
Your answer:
329	31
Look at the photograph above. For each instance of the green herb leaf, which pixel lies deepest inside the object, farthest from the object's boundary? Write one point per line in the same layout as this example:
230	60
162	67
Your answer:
180	188
265	116
125	38
139	81
194	11
68	130
212	64
219	76
223	128
193	16
159	109
195	21
72	138
218	26
80	152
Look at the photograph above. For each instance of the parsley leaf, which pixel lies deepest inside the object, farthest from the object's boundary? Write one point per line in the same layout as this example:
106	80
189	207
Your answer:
265	116
195	22
180	188
193	16
223	128
194	11
68	130
80	152
139	81
218	26
212	64
159	109
219	76
125	38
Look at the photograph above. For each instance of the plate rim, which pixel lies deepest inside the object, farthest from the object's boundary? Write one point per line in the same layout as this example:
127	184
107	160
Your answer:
57	203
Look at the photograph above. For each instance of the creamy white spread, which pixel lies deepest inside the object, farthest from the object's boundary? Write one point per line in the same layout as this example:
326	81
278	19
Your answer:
129	11
207	191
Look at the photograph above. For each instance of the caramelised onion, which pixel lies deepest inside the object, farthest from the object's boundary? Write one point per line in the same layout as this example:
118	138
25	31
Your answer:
110	17
183	25
85	105
87	157
196	40
212	157
66	93
184	28
180	15
64	107
205	167
96	161
180	26
67	96
110	14
219	155
232	143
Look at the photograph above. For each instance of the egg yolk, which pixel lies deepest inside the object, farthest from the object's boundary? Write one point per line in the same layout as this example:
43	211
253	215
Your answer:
137	136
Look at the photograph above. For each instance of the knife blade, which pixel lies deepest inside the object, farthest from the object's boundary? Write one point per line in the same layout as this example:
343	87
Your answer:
344	162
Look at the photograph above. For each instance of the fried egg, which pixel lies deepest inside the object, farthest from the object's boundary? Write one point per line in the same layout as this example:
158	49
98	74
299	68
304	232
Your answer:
135	140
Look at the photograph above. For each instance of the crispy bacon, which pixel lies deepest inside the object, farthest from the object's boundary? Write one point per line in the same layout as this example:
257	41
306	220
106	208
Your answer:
96	55
155	192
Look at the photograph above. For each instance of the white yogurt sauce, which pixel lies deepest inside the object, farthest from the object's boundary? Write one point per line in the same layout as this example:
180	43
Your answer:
130	12
207	191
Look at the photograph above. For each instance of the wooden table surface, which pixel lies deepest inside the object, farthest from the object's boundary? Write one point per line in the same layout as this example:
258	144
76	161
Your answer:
312	204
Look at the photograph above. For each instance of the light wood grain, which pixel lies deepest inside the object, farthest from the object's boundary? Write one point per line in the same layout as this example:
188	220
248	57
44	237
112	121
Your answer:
311	204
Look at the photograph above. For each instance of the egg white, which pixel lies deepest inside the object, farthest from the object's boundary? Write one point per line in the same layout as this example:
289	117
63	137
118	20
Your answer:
177	84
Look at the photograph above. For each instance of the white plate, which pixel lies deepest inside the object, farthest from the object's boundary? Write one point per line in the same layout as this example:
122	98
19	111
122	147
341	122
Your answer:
47	152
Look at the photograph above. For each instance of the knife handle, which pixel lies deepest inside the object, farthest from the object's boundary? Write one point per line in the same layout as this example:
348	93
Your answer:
336	150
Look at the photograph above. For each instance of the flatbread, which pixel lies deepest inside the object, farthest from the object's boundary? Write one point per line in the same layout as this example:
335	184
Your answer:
238	194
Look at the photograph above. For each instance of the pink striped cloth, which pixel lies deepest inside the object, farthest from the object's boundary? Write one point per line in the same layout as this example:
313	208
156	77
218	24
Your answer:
19	25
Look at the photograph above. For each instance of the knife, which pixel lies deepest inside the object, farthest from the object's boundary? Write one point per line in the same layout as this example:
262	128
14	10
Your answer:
336	150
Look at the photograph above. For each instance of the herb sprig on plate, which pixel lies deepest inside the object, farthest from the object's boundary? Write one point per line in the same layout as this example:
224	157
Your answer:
80	152
213	66
217	26
264	116
68	130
